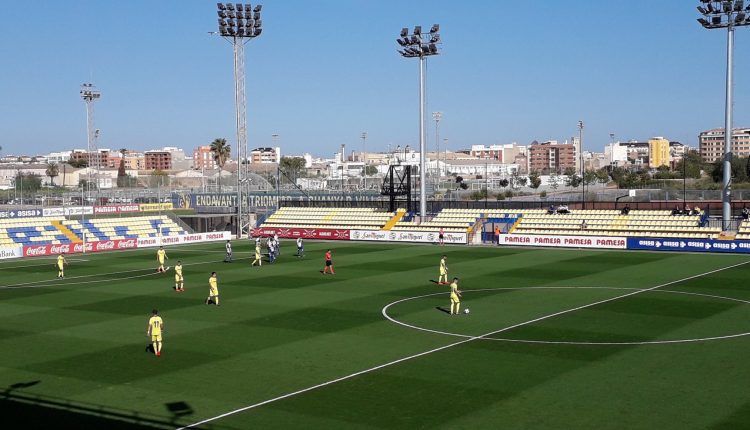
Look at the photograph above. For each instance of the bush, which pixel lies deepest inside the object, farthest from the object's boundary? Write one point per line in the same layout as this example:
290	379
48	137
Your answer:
543	194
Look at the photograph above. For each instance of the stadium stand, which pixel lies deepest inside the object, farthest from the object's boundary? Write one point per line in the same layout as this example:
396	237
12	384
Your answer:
648	223
336	218
27	231
744	230
56	230
125	228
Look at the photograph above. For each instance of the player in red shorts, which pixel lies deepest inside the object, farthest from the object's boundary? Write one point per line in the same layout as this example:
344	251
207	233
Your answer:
329	263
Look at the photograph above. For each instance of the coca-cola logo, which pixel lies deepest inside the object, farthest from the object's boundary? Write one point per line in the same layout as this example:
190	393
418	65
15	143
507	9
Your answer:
34	251
59	249
127	243
105	245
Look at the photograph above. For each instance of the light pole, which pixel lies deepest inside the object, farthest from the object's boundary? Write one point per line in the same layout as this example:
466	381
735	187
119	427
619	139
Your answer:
726	14
275	140
90	94
238	24
583	170
363	136
418	45
437	116
611	150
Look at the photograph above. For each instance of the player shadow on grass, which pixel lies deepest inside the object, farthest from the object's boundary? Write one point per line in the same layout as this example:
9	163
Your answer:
43	411
442	309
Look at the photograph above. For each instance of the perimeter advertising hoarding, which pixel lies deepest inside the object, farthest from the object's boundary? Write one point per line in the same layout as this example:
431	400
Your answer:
149	242
690	245
407	236
74	248
558	241
304	233
226	203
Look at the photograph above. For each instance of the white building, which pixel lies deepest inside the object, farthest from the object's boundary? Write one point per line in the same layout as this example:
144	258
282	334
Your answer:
58	157
478	168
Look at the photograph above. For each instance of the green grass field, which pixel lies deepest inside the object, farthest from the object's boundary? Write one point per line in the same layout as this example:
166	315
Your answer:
555	340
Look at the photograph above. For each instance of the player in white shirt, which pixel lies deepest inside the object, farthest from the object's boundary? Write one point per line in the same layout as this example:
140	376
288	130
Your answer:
300	248
228	257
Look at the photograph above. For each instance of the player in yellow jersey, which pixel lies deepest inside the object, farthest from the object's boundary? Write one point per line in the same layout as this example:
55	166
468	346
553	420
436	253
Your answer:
161	255
213	290
179	281
258	258
455	297
153	330
443	279
61	266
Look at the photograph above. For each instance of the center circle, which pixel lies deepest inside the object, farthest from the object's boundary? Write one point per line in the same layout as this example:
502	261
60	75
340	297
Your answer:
488	337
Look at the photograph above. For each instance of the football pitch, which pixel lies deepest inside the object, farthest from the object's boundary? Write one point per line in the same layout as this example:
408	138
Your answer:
555	339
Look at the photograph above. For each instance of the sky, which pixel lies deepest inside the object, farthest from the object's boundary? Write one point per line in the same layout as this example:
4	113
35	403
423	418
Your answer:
324	71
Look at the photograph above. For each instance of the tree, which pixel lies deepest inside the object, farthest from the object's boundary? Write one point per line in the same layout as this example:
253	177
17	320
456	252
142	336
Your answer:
52	171
554	180
534	179
739	170
521	181
158	178
122	177
602	176
78	164
28	182
504	182
693	165
479	195
292	166
589	177
222	152
370	170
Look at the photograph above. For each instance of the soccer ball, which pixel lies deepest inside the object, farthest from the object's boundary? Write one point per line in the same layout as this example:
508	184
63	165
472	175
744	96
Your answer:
466	311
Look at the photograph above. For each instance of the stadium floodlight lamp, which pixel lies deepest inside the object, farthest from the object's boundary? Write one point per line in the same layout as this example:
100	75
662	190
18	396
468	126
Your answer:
236	21
404	32
727	14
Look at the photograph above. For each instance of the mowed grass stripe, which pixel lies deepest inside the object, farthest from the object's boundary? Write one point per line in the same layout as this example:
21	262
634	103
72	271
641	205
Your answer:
279	328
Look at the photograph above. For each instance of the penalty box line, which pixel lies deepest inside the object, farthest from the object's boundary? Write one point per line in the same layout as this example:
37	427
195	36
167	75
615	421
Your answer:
451	345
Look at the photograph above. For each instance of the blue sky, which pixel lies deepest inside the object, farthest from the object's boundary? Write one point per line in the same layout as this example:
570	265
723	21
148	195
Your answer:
324	71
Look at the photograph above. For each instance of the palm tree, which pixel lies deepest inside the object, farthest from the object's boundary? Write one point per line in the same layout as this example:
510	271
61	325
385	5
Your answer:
221	152
53	170
121	175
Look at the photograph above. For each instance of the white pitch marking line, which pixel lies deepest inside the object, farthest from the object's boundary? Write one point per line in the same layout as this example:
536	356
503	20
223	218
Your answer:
560	342
46	283
451	345
47	262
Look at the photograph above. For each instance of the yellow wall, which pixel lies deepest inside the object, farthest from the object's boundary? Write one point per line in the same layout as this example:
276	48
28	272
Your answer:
658	153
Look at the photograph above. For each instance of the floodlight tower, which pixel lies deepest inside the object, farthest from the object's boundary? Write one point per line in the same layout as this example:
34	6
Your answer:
238	24
90	94
419	45
437	116
583	170
726	14
363	136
